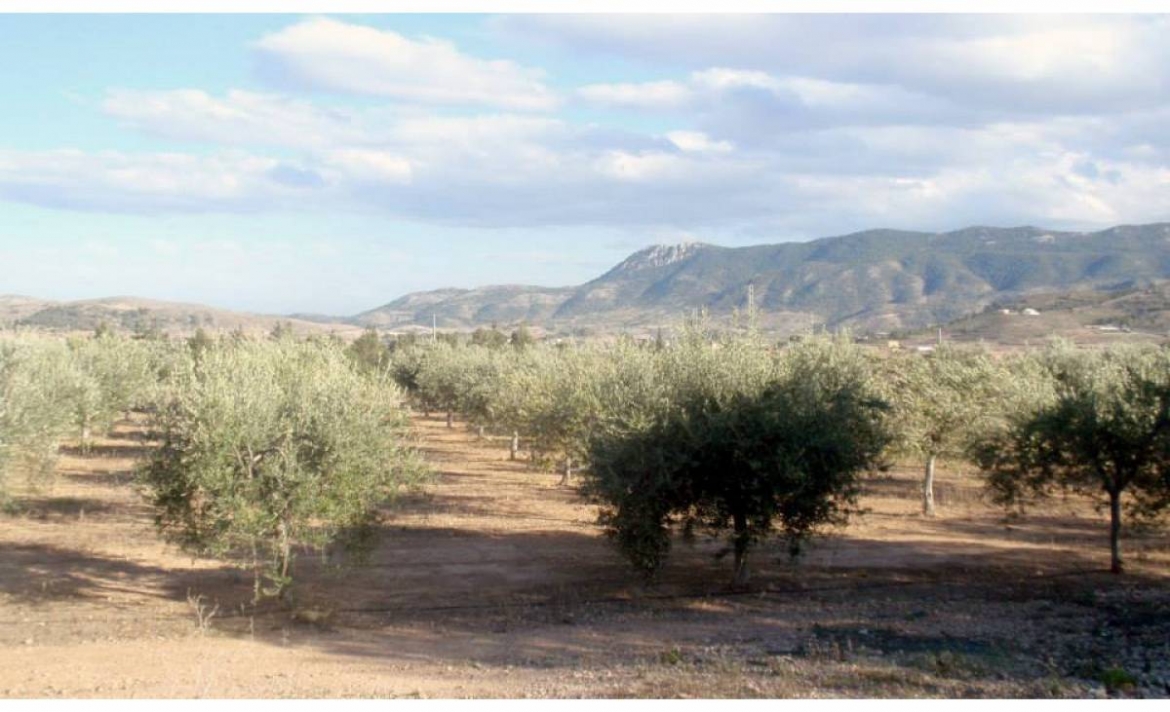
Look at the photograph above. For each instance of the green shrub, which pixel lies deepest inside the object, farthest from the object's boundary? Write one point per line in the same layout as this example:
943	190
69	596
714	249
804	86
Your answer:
786	458
270	446
35	376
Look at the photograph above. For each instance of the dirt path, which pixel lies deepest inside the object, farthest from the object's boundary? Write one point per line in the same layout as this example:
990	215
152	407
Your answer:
497	583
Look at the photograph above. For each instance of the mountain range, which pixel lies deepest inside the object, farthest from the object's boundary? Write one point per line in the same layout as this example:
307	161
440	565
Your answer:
878	280
872	281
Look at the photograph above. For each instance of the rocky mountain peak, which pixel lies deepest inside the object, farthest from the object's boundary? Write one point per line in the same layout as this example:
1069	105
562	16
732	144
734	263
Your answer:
659	256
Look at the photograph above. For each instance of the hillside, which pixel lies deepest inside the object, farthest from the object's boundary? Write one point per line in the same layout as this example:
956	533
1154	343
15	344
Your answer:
129	314
878	280
1085	316
454	308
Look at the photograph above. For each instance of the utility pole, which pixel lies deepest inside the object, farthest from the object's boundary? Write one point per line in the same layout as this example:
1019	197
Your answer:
751	298
434	327
940	336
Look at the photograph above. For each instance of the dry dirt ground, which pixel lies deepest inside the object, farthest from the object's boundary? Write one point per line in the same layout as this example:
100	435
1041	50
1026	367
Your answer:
497	583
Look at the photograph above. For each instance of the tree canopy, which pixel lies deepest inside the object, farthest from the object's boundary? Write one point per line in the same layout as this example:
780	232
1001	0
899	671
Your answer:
786	458
1104	431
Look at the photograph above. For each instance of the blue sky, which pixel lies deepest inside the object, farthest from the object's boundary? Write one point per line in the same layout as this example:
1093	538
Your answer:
332	163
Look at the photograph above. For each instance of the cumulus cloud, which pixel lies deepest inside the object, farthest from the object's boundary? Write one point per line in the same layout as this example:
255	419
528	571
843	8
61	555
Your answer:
369	166
1041	64
697	142
777	142
124	182
519	171
647	95
496	170
238	118
752	104
329	55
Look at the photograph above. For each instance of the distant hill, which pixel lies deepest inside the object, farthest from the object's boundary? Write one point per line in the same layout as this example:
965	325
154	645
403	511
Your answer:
130	314
878	280
458	308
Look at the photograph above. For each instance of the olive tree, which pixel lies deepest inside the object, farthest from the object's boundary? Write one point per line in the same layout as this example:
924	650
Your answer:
1105	431
562	397
719	365
267	446
785	458
33	415
478	382
491	338
406	361
34	412
113	375
441	378
556	402
521	337
369	352
940	401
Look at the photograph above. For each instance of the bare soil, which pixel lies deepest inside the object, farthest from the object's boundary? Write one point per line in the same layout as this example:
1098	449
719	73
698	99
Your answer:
496	582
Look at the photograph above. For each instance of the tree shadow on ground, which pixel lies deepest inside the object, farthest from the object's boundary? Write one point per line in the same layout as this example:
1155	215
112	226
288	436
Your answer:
118	479
554	599
909	488
435	503
1085	532
63	507
123	449
39	573
891	620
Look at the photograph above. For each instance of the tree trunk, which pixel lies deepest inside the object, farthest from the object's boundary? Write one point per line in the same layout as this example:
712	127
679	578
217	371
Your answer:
928	488
568	472
255	575
741	549
284	564
285	552
514	447
450	419
1116	565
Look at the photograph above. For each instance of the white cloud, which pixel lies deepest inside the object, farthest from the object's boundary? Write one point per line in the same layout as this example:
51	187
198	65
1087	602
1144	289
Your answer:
348	58
1012	65
473	134
642	167
238	118
369	166
697	142
123	182
721	79
1042	188
753	105
515	171
647	95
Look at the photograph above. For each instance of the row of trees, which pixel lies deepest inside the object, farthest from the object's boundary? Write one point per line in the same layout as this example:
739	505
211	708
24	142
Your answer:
671	436
267	446
276	445
52	390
